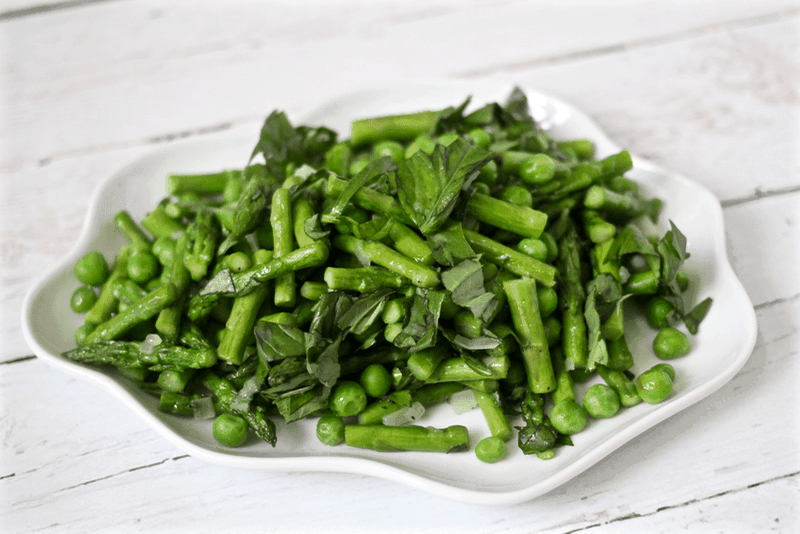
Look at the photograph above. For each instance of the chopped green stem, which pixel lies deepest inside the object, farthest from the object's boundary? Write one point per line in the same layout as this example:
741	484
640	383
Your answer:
160	224
370	200
168	323
520	220
496	419
302	210
573	333
410	243
403	127
177	403
129	354
239	326
407	438
362	279
565	387
242	283
380	254
524	304
127	291
107	303
203	237
427	395
191	336
620	205
200	184
511	260
174	380
422	364
313	290
283	241
457	370
147	307
615	165
131	230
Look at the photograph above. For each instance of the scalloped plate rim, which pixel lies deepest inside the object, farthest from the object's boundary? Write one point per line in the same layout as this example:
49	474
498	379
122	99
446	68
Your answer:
355	463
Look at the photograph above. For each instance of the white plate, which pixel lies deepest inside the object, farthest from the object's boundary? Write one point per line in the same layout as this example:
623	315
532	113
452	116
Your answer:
725	341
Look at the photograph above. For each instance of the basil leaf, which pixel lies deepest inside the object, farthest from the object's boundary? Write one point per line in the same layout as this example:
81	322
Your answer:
696	315
465	283
422	325
428	187
280	143
323	365
374	170
596	345
449	246
278	341
364	311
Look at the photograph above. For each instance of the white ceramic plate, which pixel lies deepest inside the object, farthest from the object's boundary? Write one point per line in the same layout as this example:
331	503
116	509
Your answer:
725	341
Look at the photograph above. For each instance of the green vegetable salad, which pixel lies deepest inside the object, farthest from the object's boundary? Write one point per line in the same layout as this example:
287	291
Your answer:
434	256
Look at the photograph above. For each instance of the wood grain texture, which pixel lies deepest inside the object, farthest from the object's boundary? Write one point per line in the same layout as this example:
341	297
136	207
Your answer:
708	89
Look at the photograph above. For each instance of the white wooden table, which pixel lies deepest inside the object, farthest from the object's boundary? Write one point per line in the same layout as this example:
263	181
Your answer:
709	89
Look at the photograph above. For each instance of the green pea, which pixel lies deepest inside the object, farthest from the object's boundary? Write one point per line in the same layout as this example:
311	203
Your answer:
468	325
393	149
548	300
667	368
376	380
601	401
238	262
653	385
490	450
347	398
142	266
518	195
488	174
330	429
91	269
582	148
657	312
537	169
164	249
552	330
568	417
552	246
670	343
82	300
682	280
482	188
480	137
535	248
82	332
230	430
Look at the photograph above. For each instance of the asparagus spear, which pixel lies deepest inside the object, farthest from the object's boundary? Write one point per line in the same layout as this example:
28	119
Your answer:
407	438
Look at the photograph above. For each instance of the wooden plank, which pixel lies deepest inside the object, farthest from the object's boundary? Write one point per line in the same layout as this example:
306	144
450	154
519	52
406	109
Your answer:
84	447
118	72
